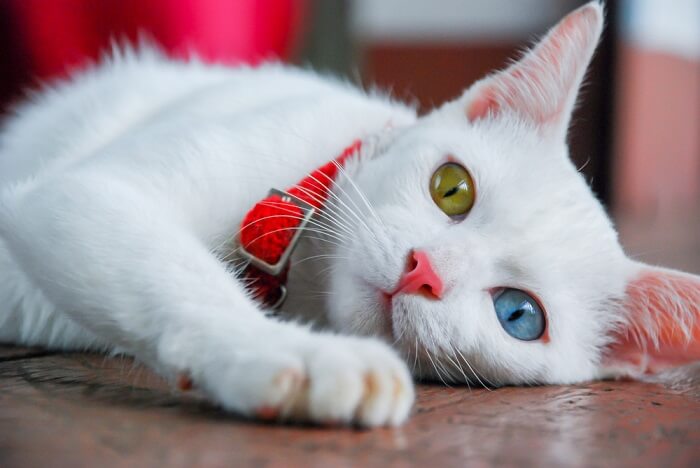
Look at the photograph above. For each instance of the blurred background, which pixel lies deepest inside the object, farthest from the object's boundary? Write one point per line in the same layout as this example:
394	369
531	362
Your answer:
635	136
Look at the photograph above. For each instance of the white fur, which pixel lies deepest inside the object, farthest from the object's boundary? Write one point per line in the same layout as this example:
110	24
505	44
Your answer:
121	191
118	188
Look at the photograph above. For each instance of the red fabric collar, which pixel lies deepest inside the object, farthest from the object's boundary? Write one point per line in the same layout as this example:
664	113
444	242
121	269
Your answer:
270	230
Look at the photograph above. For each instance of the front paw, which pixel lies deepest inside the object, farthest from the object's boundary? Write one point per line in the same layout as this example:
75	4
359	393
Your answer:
326	380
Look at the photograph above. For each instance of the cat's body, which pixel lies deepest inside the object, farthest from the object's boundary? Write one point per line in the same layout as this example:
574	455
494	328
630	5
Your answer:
178	152
224	136
121	194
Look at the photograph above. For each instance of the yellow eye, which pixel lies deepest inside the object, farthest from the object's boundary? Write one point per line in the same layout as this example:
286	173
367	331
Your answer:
452	189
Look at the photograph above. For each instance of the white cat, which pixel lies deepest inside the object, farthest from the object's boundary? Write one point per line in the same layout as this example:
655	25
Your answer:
465	238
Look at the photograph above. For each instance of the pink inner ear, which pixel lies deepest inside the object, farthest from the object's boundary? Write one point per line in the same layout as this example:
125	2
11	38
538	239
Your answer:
664	323
482	105
542	85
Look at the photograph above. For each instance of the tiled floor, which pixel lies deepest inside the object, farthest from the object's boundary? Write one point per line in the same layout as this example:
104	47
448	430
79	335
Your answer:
88	410
79	410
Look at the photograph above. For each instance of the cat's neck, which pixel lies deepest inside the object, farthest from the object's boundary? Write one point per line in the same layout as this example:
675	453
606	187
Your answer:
307	284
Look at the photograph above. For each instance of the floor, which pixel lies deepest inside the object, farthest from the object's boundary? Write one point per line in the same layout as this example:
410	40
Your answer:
88	410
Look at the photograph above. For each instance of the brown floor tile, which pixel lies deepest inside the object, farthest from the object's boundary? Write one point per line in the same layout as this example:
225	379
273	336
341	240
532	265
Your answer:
88	410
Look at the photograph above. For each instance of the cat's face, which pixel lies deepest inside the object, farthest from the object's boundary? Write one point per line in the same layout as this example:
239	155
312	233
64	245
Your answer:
535	235
534	226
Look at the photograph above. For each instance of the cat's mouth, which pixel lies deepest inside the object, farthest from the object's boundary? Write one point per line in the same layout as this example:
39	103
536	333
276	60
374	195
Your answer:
390	304
393	308
391	312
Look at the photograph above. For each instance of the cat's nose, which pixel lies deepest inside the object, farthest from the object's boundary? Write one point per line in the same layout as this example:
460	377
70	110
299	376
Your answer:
420	277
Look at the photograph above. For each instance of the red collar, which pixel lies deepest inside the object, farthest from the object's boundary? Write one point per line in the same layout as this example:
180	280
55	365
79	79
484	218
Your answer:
271	229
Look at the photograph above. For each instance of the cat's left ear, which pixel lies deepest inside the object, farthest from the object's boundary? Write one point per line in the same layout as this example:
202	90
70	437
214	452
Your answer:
659	324
541	88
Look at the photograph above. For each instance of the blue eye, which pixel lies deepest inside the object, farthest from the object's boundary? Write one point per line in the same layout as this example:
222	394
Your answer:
520	315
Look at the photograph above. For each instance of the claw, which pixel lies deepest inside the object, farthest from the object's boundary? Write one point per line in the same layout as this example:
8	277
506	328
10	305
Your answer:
267	413
184	382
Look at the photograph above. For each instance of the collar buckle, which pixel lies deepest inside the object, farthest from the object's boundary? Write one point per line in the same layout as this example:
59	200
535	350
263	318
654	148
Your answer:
277	268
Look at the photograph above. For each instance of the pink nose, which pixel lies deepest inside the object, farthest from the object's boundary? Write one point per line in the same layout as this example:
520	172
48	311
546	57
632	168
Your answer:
420	277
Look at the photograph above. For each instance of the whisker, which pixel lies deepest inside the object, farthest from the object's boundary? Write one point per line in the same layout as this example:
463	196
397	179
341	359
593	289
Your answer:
306	228
437	371
360	194
324	270
313	220
420	366
349	210
320	256
295	228
473	371
341	222
458	367
415	355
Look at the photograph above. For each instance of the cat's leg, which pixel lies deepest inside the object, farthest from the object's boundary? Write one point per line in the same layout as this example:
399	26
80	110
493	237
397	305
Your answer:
125	269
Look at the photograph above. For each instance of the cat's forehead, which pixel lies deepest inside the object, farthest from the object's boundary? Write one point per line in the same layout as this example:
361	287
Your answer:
510	164
509	144
528	193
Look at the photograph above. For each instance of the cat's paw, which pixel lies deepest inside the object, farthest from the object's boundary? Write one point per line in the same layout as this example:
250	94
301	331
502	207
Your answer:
330	380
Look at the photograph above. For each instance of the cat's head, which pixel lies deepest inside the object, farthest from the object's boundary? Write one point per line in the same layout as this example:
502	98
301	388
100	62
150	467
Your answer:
486	256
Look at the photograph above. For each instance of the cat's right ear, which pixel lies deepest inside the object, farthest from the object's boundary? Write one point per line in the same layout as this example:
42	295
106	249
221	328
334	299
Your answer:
660	322
541	88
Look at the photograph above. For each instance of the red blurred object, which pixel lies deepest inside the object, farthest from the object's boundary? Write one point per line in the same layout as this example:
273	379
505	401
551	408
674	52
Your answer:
52	37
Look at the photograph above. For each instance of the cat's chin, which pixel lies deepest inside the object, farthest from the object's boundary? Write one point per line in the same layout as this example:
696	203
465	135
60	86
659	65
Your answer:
364	310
